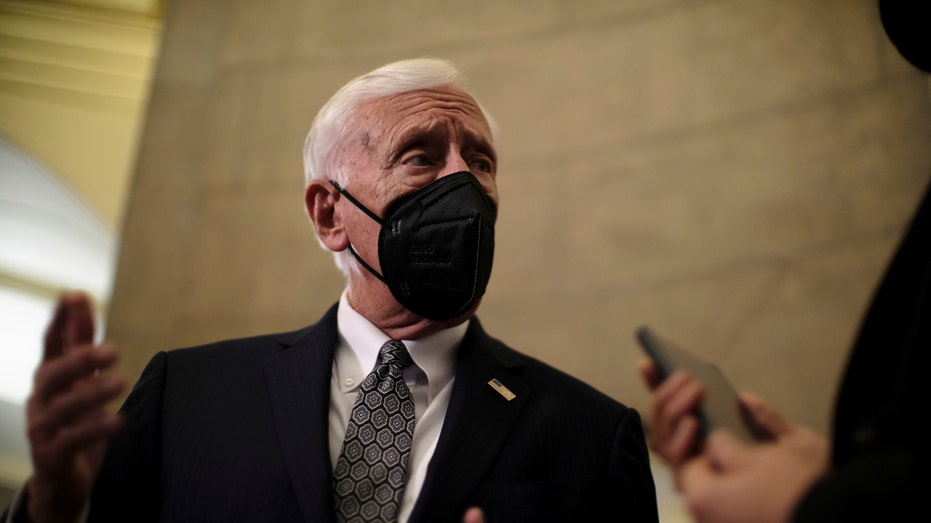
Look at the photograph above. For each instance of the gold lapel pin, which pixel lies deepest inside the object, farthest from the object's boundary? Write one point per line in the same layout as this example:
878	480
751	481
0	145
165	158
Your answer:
502	390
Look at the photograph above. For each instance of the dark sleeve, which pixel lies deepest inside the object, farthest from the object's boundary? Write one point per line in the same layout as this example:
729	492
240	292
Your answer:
884	486
127	487
882	430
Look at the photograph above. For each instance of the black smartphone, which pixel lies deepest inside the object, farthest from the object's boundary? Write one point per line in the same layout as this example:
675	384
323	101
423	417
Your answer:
720	407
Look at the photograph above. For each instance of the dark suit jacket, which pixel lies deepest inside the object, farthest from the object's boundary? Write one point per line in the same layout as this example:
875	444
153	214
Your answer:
882	427
238	431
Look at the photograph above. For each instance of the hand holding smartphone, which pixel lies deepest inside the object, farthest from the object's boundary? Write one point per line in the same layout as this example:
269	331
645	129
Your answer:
721	407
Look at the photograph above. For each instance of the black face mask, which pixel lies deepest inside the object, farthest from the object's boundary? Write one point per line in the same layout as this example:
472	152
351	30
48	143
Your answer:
436	246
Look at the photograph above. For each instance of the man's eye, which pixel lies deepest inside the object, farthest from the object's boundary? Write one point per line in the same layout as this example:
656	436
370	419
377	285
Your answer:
419	160
481	166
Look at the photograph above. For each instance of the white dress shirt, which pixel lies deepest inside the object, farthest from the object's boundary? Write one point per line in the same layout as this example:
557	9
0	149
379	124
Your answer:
430	380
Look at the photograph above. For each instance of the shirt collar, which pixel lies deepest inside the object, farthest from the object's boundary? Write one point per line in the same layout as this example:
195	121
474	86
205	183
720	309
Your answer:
435	354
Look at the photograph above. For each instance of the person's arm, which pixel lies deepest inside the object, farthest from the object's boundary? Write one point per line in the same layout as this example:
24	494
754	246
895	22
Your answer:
887	484
16	512
67	417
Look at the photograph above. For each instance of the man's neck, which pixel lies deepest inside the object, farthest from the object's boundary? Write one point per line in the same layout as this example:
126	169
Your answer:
380	308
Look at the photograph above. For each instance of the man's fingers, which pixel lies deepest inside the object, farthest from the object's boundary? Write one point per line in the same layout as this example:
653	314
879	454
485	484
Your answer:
684	398
694	472
674	431
649	373
79	324
81	405
766	416
671	386
703	490
60	374
724	450
683	442
76	437
72	324
676	398
71	439
54	344
81	402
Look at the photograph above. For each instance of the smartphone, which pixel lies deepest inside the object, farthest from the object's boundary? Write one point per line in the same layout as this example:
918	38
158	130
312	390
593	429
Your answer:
720	407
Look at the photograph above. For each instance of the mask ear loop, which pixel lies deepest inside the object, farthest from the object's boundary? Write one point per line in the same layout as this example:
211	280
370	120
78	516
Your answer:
373	216
357	203
367	266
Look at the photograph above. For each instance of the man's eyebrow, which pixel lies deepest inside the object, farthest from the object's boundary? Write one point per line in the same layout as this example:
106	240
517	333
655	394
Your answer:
418	136
423	134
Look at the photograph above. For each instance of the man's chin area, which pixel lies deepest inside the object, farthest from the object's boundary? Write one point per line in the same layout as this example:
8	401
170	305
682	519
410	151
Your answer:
416	326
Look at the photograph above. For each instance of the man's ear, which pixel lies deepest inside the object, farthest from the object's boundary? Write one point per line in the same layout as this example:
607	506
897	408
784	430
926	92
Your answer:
320	201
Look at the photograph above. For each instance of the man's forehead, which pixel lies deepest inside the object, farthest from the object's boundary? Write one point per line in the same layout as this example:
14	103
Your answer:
423	102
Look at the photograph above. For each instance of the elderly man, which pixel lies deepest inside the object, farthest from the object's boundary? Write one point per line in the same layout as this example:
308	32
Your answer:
396	405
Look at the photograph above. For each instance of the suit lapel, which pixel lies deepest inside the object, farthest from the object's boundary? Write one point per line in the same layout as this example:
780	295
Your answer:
478	421
298	381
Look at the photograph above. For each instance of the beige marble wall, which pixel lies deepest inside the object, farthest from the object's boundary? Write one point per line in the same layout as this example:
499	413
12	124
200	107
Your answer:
734	173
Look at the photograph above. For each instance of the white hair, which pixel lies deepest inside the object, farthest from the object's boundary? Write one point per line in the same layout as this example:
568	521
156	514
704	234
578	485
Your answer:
334	122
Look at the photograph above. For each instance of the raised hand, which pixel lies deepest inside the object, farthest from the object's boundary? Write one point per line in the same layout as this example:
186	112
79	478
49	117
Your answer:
68	422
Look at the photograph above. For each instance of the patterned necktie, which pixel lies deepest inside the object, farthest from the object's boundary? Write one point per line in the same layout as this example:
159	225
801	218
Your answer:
369	477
